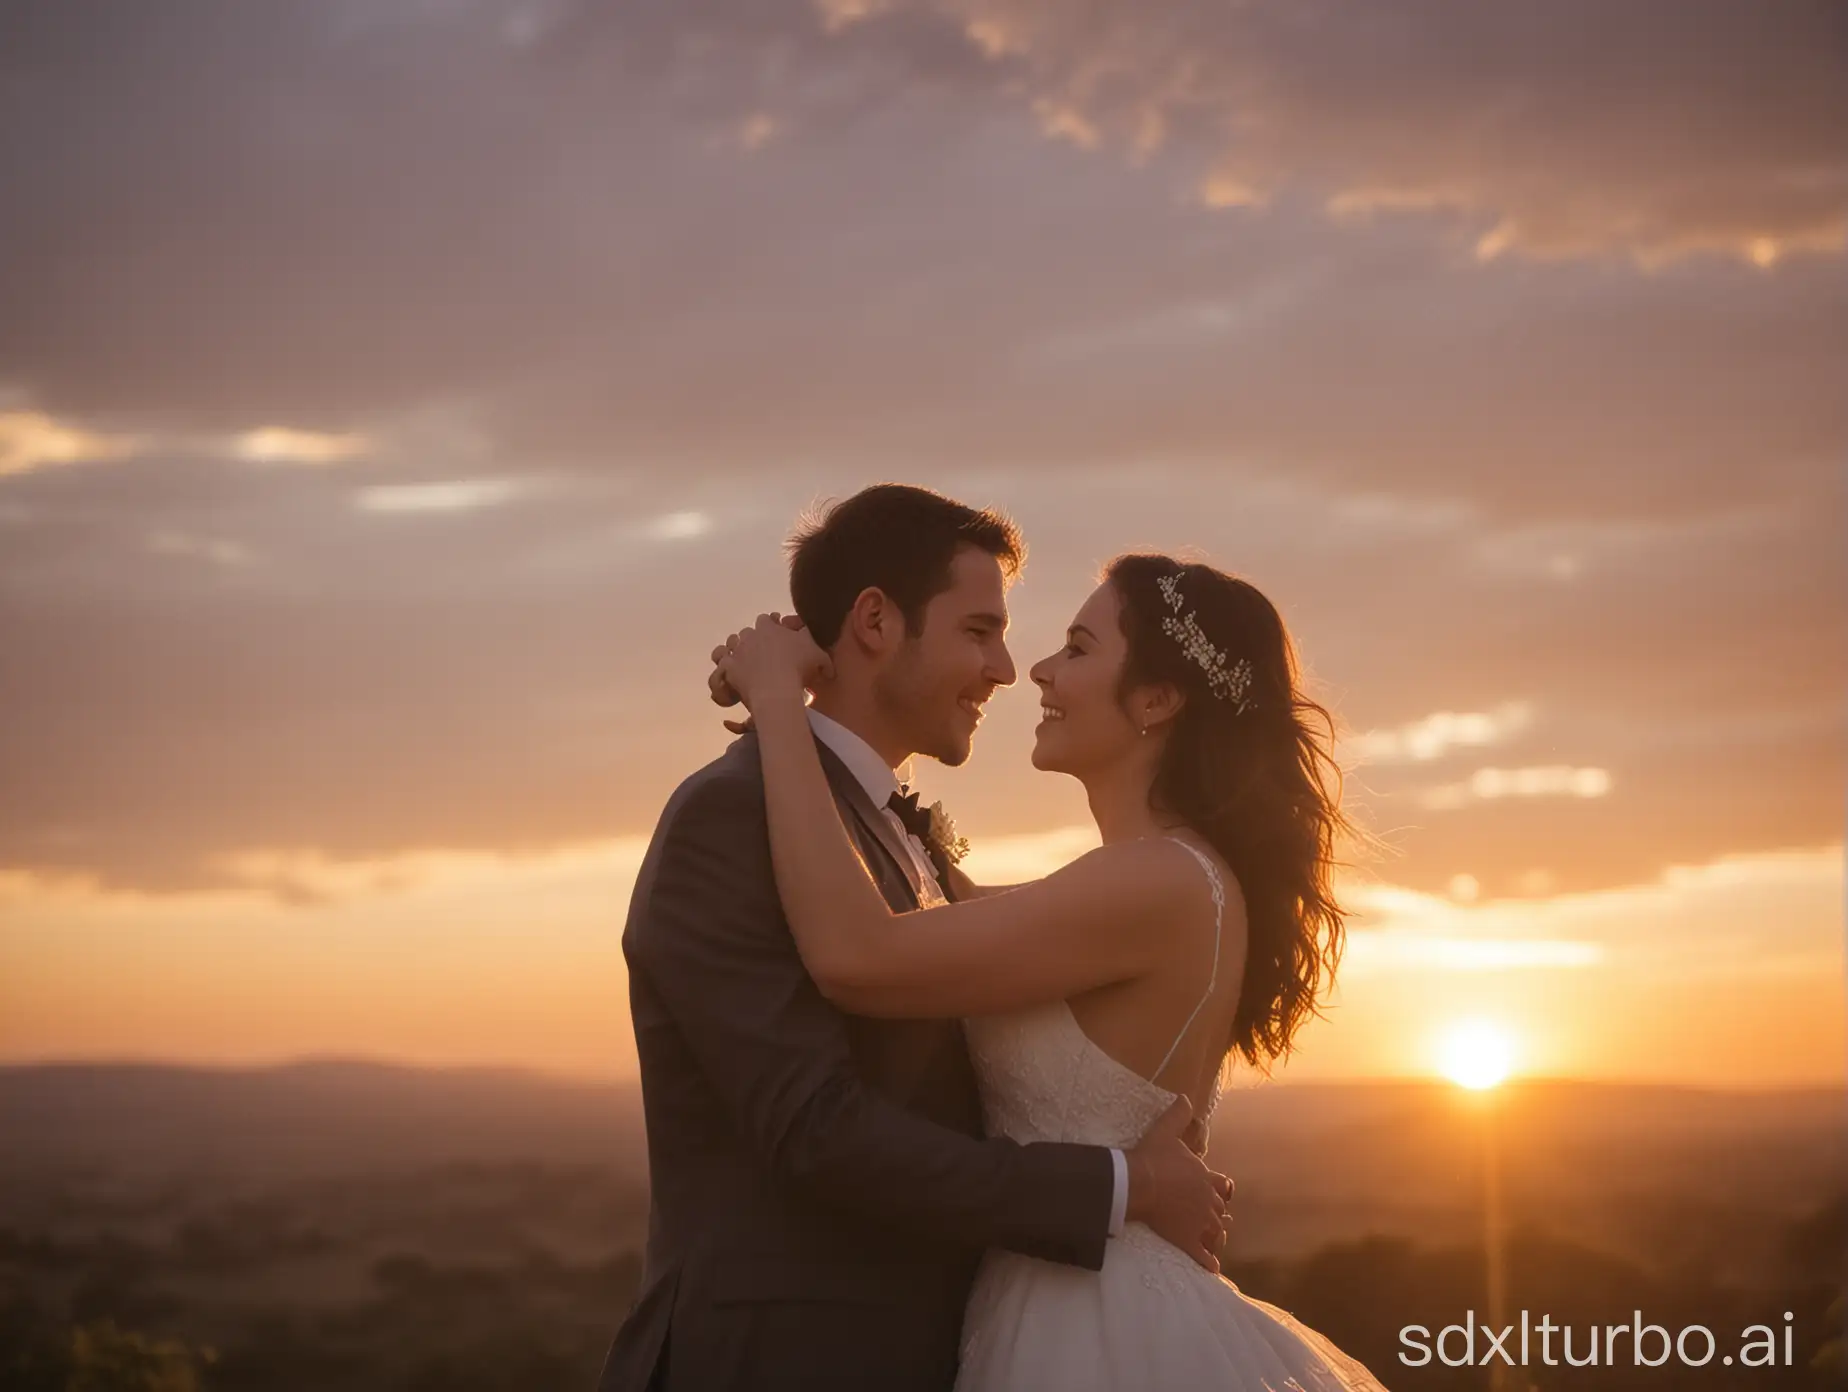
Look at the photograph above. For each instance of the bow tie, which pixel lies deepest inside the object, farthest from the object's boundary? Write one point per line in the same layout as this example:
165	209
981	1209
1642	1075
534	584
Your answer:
916	820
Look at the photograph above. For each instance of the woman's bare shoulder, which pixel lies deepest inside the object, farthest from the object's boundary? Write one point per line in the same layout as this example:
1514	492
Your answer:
1157	874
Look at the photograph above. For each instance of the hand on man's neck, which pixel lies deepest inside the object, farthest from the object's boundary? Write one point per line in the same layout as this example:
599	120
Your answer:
856	710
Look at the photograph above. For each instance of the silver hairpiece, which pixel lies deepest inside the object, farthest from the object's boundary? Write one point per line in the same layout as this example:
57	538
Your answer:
1228	681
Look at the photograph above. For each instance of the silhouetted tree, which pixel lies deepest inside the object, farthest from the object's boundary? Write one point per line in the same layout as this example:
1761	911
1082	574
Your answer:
104	1358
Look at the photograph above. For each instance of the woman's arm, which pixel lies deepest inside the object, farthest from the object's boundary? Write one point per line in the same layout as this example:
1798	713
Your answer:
708	950
1105	918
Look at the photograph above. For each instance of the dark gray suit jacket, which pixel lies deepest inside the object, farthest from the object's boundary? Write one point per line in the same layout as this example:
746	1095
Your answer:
820	1187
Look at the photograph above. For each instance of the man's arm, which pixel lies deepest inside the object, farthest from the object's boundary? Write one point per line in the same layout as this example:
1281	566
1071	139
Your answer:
716	950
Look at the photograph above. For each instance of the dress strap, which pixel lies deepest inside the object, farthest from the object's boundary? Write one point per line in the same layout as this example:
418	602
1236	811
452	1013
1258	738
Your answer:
1212	980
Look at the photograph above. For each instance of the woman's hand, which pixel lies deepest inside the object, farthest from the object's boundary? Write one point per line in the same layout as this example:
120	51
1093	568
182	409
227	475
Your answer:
774	657
720	689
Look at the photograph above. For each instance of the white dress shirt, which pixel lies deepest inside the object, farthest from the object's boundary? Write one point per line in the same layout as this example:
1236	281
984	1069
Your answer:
875	775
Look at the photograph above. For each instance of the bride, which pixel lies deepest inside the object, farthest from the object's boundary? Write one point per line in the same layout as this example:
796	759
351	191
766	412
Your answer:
1202	928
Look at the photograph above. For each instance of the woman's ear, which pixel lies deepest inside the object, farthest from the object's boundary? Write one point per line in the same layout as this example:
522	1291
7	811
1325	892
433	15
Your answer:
1159	704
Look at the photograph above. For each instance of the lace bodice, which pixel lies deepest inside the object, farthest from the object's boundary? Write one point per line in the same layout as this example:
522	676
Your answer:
1043	1079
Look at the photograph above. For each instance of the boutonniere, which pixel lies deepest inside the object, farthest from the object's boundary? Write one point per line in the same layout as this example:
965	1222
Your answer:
941	835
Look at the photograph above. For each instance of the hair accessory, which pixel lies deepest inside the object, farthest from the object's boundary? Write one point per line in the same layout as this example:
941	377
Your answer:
1228	681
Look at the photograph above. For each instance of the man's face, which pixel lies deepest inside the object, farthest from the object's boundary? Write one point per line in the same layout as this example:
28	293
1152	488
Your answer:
933	688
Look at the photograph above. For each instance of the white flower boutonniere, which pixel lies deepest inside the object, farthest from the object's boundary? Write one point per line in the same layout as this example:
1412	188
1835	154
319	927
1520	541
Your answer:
943	837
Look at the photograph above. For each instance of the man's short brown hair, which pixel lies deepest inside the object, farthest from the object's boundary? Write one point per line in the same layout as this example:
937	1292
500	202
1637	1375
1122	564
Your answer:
893	537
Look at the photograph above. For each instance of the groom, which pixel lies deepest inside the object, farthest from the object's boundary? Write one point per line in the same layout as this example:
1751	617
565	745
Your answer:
821	1187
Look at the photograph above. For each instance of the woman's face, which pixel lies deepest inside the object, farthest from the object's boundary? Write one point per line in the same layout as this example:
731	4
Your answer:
1084	724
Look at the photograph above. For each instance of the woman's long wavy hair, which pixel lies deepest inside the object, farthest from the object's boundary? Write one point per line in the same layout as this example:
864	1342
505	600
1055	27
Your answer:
1261	784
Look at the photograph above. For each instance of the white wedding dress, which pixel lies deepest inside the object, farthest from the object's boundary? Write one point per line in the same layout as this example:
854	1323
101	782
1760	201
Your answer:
1151	1318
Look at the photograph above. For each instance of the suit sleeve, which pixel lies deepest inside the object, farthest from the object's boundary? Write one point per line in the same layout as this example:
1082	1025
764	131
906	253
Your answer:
716	949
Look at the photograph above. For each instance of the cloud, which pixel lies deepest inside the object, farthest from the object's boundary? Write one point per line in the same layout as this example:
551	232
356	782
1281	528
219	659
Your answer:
839	14
308	875
1571	131
34	440
1406	950
216	550
1436	735
680	526
277	444
1773	873
1547	781
1028	855
448	495
1696	918
757	130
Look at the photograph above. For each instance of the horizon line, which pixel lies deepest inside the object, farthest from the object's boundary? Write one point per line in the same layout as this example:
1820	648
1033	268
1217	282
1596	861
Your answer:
629	1082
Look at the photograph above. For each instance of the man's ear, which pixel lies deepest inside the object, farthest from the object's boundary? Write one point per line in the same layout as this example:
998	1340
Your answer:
874	622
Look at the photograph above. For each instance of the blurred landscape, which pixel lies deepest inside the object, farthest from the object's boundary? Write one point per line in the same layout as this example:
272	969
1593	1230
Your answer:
352	1226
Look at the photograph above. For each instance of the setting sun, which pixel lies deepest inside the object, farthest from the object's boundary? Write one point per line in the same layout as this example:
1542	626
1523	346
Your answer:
1476	1054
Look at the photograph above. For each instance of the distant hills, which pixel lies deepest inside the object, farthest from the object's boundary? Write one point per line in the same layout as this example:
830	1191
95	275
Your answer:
1703	1177
307	1118
1623	1163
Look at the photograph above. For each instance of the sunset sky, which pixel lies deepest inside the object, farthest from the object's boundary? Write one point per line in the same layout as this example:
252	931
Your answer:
398	398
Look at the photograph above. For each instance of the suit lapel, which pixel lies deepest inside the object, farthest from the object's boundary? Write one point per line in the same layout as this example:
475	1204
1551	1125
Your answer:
849	792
